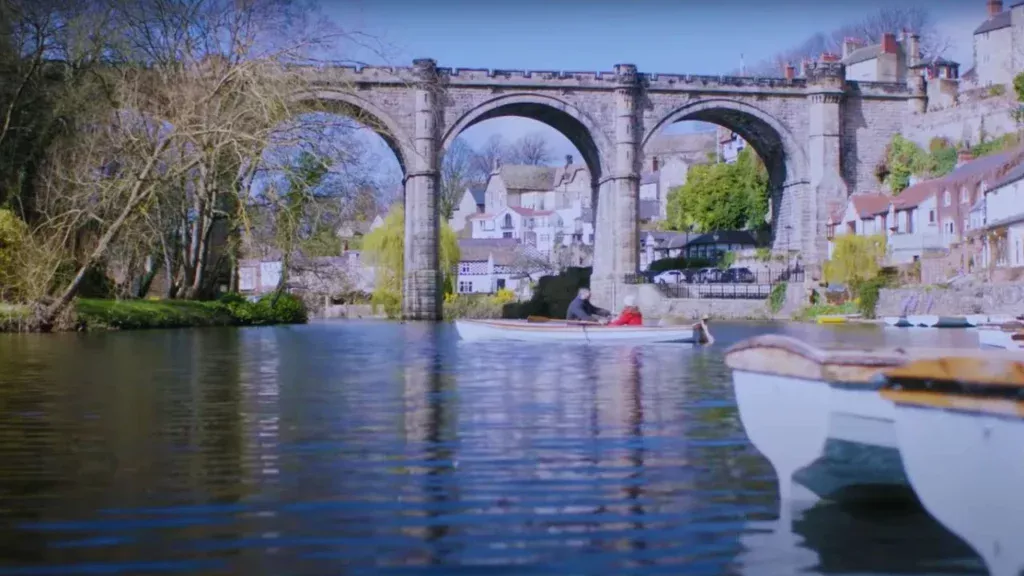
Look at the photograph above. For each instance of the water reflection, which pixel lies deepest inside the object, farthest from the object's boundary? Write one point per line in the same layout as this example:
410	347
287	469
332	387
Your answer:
362	447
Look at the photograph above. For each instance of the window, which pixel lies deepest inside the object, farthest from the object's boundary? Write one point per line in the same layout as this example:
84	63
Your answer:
931	216
966	225
947	198
488	225
463	267
545	237
963	195
506	234
508	221
501	283
465	287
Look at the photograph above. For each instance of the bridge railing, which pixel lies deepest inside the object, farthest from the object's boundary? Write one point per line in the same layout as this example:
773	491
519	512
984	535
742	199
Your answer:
719	284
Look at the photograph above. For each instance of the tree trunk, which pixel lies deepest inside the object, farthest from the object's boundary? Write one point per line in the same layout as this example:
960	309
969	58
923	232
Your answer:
138	194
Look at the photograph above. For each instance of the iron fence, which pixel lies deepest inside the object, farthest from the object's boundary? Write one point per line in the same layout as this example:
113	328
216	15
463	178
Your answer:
724	284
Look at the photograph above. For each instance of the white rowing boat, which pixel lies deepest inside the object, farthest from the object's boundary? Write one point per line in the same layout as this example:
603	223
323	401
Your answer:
562	331
1000	338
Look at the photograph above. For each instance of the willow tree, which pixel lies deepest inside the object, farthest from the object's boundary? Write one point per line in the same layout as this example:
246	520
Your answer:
384	249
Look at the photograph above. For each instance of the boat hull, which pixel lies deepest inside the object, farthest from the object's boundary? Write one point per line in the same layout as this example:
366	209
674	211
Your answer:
474	330
999	339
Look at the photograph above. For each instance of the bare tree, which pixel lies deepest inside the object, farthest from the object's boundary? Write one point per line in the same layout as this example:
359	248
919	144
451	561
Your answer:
488	156
532	150
456	169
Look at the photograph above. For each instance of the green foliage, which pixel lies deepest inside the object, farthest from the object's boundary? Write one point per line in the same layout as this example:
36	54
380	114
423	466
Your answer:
324	242
997	90
727	260
763	254
944	161
777	297
867	295
996	145
477	305
855	259
229	310
811	312
677	263
384	249
903	159
552	295
721	196
1018	86
13	235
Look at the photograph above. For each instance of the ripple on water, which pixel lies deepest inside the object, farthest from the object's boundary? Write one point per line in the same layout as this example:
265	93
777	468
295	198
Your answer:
383	448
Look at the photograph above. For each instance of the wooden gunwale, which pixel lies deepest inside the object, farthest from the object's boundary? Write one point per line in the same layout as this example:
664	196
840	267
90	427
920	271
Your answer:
956	403
788	357
575	327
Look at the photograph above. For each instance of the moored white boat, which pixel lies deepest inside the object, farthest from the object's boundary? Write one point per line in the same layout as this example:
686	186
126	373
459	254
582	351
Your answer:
999	338
963	449
817	416
897	321
925	320
562	331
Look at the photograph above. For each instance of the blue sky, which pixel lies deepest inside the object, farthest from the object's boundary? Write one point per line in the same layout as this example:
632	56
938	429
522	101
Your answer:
668	36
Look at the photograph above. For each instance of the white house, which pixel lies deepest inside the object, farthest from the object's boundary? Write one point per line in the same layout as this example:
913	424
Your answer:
1004	215
998	45
863	214
656	245
536	228
729	145
917	227
472	202
489	265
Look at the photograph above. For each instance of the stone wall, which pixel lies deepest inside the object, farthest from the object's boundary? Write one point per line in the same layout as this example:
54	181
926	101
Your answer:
655	306
966	121
868	125
978	298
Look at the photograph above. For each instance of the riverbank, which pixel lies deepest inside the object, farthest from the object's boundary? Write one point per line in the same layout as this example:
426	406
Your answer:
94	315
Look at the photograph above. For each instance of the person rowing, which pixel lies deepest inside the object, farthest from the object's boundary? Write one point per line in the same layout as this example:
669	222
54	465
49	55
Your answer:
582	310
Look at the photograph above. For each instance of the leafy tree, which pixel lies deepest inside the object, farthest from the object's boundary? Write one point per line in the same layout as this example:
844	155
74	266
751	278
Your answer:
904	159
721	196
384	249
855	259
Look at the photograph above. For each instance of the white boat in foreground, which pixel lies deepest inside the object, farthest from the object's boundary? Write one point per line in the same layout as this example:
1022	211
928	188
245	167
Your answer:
562	331
999	338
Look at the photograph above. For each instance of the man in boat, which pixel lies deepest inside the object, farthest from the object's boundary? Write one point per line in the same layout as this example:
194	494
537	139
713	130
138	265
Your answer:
580	309
630	315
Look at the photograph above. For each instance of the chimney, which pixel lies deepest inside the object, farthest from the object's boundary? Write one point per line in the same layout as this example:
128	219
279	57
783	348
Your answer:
889	43
829	57
994	7
963	157
789	71
913	49
849	45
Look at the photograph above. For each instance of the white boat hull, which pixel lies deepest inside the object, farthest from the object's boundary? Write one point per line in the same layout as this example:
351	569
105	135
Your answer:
999	339
897	321
565	332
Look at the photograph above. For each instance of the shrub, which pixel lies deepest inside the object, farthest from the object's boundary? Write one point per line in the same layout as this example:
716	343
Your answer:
288	309
777	297
996	90
13	233
476	305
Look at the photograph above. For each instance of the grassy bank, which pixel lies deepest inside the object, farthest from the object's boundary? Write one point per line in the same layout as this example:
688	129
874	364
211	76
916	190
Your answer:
232	310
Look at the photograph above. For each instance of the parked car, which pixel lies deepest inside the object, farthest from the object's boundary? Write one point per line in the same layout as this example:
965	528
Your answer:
739	275
670	277
707	276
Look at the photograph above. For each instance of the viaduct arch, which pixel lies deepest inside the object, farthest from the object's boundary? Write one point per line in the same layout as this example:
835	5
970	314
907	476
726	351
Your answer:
820	137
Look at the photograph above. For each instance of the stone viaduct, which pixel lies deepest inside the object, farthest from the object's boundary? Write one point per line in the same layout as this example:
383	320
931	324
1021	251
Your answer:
820	136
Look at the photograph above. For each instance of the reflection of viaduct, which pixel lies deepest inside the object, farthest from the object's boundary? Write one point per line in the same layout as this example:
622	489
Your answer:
820	137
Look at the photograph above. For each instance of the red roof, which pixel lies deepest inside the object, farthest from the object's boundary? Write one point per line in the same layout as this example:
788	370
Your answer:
868	204
970	175
529	211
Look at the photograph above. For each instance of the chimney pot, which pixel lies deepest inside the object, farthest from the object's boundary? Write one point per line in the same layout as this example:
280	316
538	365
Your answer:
889	43
994	7
790	71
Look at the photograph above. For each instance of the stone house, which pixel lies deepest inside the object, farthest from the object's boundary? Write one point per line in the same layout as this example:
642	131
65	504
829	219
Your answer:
999	45
713	245
489	265
864	214
472	202
888	61
352	232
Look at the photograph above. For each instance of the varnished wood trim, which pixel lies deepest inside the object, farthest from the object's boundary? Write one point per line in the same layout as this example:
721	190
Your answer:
951	402
972	370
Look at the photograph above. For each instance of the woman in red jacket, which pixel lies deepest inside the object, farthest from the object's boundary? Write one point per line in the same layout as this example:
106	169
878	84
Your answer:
630	315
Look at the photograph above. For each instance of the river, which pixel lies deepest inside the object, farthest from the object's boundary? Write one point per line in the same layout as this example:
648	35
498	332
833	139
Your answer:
379	448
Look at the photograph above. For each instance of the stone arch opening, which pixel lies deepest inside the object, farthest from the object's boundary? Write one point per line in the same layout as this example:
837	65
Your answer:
568	120
783	157
364	112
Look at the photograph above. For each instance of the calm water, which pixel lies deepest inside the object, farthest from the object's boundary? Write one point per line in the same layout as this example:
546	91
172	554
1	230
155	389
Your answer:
358	448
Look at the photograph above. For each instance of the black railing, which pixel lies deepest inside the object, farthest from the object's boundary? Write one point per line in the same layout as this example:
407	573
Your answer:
727	284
